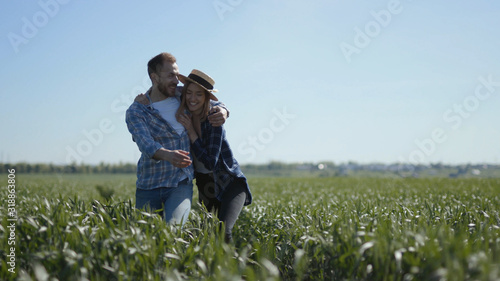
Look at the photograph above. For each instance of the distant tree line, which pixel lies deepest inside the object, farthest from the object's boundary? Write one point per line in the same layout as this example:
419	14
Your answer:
43	168
273	168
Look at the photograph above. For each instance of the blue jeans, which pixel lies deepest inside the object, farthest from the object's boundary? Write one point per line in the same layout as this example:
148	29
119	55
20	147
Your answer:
175	201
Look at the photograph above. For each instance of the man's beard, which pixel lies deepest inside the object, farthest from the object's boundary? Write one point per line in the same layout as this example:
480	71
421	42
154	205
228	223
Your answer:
164	89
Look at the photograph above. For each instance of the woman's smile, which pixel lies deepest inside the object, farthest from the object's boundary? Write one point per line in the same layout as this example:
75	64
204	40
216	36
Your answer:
195	97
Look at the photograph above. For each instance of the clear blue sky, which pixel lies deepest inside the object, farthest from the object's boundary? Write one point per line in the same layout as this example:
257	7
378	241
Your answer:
306	81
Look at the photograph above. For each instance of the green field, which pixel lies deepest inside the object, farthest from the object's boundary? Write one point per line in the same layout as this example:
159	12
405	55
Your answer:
296	229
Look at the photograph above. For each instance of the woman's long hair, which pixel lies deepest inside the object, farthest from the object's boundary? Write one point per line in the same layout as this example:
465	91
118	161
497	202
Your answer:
183	107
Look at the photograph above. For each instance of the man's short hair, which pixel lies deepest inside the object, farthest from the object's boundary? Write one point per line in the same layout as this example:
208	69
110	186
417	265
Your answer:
155	64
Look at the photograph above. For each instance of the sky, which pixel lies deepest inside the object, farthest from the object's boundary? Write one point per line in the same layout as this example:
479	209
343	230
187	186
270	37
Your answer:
413	81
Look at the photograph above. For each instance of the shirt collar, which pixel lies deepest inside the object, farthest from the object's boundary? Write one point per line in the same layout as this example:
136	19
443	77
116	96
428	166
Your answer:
150	105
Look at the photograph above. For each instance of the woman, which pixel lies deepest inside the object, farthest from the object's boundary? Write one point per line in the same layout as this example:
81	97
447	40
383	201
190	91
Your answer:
222	186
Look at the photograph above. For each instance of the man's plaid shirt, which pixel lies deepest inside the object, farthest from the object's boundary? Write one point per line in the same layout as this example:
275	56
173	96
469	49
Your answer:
151	132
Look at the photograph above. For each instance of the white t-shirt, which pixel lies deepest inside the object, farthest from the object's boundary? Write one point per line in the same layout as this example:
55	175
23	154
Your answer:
167	108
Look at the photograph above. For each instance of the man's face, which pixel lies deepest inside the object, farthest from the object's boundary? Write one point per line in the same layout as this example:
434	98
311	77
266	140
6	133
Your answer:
167	79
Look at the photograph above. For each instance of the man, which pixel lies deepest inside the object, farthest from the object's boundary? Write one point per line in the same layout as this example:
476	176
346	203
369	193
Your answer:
164	171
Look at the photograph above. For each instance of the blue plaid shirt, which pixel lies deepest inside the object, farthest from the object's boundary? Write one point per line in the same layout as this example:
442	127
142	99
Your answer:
213	150
151	132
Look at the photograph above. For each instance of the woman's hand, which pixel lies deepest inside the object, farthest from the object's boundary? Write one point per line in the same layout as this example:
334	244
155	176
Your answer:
142	99
187	122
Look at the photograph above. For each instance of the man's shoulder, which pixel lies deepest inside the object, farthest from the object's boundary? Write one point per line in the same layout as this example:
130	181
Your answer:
140	106
136	108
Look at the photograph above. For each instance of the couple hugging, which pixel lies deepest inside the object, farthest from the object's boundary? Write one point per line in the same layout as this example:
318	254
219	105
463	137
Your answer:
180	135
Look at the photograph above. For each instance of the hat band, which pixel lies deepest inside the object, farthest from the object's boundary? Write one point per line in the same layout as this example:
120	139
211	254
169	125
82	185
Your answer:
201	81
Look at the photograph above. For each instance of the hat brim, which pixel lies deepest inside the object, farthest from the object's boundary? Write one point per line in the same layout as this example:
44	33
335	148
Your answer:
184	79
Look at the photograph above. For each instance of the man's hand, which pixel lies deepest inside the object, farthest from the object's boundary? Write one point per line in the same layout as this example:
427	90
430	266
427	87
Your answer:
178	158
142	99
217	116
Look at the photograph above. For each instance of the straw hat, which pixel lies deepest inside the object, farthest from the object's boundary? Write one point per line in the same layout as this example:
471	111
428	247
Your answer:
201	79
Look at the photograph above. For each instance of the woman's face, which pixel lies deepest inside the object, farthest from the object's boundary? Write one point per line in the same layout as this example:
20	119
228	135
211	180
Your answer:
195	98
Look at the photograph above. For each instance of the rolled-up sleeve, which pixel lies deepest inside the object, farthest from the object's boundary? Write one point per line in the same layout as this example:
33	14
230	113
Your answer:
220	104
141	135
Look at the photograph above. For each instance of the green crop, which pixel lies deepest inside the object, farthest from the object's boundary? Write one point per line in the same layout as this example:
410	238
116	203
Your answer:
86	228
